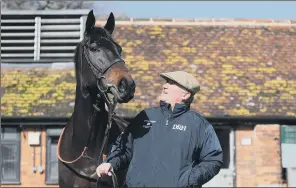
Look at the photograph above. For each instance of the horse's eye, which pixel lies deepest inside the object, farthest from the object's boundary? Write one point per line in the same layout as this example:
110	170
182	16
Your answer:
93	47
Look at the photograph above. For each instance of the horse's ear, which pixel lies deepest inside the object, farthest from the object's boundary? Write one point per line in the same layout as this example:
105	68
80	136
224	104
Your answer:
90	22
110	25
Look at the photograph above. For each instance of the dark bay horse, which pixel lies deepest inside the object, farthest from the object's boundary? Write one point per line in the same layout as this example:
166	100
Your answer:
102	80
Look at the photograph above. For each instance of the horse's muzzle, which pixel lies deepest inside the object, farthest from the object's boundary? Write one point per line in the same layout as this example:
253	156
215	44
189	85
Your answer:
126	90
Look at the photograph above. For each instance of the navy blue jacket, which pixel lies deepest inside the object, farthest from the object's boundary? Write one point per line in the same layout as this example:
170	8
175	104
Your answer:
165	148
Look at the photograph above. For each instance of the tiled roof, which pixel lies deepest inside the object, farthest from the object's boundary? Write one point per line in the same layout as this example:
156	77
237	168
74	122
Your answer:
202	22
243	71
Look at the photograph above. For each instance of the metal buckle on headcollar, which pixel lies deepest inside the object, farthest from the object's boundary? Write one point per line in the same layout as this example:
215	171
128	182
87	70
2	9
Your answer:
103	86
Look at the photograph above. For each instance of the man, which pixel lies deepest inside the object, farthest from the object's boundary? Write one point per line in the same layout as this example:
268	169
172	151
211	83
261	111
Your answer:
170	145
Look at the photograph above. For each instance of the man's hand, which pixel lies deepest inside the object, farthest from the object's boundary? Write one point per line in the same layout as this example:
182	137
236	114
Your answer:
104	169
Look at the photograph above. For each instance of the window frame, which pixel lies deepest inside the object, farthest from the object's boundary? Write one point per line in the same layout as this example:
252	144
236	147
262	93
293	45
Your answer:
17	142
231	145
51	133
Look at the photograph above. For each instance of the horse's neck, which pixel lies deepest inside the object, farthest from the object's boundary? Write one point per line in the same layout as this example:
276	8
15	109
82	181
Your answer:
85	120
76	135
83	109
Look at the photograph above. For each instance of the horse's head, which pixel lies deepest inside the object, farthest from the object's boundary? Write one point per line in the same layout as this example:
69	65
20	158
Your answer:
99	64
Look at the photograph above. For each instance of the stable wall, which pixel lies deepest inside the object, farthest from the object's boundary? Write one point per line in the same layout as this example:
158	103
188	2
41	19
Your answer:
28	178
258	156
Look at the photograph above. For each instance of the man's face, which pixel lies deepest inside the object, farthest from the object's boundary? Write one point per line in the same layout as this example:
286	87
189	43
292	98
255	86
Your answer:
172	93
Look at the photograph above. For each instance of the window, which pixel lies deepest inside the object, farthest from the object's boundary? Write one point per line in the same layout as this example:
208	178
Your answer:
10	150
223	136
51	156
226	176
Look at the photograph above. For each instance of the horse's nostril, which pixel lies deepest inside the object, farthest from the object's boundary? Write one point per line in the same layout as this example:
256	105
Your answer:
126	84
122	85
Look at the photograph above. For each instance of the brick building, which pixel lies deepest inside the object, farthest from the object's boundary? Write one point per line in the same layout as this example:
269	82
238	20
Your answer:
246	69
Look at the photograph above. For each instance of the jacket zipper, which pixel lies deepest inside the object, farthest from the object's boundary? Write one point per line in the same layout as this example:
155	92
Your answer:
167	121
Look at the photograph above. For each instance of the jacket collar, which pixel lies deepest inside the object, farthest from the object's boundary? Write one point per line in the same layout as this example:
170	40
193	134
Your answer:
179	108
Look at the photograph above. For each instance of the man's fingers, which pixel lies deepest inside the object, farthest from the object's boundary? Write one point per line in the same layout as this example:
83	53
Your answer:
98	173
104	170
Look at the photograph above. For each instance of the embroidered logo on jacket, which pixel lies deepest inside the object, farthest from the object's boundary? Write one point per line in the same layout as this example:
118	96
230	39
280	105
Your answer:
179	127
148	123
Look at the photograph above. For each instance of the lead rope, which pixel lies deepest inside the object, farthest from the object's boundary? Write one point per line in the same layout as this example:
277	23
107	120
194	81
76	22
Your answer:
111	108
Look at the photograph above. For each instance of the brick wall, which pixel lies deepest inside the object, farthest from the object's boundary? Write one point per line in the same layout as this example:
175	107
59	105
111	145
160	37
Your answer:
28	178
244	158
258	163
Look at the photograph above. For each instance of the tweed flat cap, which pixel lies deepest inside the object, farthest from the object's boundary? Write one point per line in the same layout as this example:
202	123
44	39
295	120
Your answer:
184	79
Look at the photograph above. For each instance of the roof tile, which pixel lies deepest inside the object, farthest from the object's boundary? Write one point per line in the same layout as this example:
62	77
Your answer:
242	71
